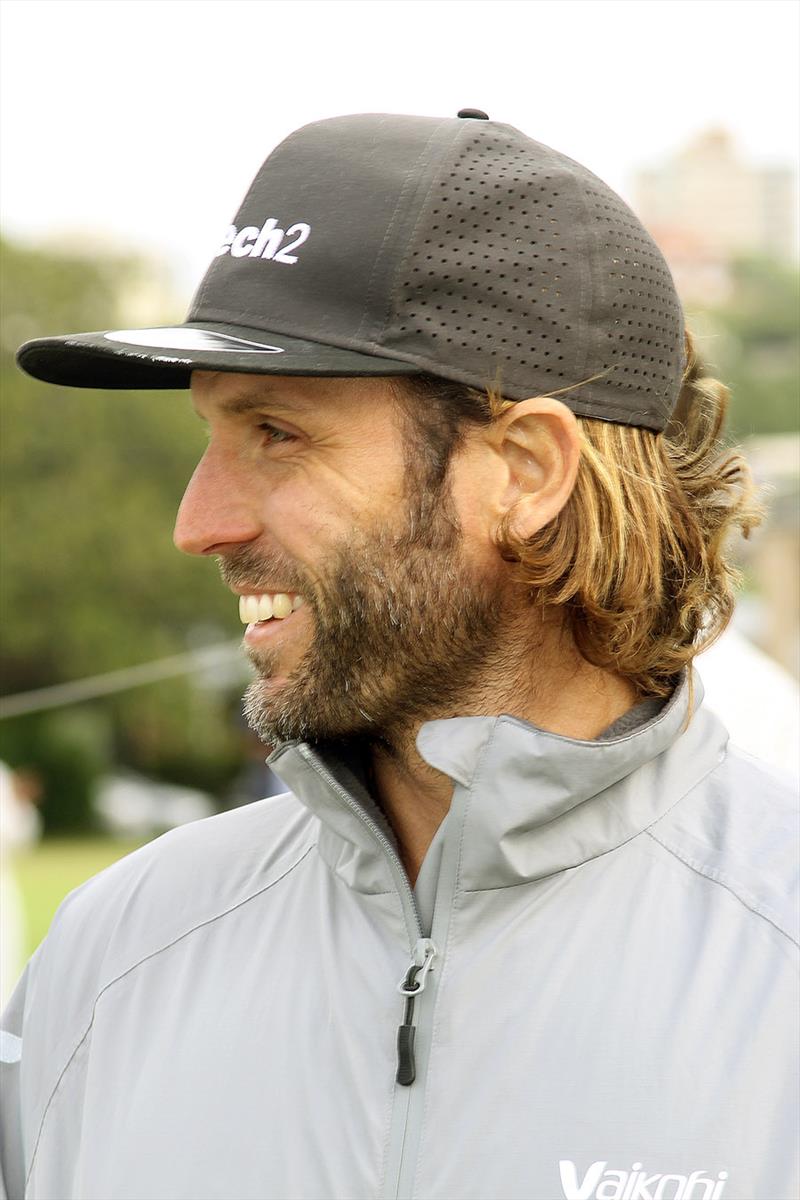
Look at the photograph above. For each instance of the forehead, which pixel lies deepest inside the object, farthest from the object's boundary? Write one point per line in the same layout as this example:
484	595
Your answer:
220	393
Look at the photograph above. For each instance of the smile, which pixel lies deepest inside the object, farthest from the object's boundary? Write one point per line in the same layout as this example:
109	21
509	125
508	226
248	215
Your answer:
268	607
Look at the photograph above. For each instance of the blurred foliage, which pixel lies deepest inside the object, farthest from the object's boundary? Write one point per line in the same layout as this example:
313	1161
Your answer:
753	346
89	578
68	749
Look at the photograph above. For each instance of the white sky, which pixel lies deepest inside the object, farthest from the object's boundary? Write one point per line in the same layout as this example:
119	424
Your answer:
145	120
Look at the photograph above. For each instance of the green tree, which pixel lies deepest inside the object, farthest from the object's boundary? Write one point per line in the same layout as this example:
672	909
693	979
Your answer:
89	579
754	346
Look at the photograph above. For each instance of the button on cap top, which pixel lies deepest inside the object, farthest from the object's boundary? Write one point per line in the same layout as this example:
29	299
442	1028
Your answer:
475	113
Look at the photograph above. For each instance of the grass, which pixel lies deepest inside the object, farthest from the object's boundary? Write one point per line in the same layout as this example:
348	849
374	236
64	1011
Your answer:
46	872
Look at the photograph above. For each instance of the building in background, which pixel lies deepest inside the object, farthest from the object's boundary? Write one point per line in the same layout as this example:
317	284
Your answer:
770	617
706	205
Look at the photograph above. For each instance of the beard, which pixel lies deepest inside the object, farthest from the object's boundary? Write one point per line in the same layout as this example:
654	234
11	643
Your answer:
403	630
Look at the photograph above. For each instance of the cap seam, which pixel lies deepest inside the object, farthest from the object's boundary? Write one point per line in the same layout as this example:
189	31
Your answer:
407	186
461	136
584	315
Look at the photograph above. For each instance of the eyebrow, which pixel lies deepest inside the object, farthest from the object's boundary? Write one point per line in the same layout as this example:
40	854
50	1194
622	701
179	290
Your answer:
244	403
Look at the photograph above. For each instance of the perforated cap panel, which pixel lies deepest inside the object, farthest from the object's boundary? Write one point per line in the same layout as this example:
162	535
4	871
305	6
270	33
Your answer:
527	269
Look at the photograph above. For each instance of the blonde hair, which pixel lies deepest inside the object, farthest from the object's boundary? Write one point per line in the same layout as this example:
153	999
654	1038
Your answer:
638	557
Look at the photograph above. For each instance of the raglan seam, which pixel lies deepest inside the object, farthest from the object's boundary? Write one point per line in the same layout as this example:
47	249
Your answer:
344	883
747	901
133	967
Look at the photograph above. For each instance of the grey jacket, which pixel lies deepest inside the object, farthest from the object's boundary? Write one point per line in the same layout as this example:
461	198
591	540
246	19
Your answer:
599	981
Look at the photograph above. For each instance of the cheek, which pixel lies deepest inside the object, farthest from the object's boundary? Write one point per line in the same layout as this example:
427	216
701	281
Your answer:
300	521
328	502
295	522
470	498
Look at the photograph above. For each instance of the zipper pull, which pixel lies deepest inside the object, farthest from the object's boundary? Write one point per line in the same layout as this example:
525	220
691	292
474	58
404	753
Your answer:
410	986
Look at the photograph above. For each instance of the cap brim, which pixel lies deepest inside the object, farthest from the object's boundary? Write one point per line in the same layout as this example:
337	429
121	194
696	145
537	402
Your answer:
165	357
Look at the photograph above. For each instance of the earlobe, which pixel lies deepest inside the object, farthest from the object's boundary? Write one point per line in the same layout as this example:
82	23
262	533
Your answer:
540	446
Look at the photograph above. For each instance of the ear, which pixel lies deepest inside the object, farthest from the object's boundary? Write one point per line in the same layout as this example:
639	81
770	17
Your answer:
539	444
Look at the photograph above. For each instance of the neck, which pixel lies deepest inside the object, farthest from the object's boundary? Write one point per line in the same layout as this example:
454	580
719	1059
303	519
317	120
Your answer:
569	697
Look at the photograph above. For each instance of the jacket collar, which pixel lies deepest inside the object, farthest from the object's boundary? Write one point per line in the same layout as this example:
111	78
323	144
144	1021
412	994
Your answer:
526	803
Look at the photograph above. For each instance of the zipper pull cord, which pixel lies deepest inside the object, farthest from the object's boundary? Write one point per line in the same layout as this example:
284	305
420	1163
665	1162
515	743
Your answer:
410	986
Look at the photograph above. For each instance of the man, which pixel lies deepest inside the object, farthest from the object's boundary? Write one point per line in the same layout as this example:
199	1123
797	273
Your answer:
521	927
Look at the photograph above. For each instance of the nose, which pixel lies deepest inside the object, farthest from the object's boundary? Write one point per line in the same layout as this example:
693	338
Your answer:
217	510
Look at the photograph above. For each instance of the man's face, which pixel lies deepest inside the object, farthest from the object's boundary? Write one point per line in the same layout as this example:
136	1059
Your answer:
308	488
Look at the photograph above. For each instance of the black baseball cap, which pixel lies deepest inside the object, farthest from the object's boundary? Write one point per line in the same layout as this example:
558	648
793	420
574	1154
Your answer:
383	245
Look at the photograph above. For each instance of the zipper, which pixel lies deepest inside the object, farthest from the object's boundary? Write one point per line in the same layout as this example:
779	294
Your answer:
410	986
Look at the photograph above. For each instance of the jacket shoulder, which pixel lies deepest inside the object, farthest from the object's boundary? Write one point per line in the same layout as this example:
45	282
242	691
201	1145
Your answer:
119	918
739	826
186	877
152	898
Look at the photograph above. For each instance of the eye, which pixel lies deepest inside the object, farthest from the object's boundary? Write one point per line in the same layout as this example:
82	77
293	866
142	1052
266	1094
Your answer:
273	434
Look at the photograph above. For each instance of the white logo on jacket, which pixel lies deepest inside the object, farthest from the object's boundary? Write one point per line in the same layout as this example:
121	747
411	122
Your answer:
636	1184
252	242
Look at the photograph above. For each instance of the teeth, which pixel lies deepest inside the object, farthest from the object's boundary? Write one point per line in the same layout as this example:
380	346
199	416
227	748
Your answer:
265	606
248	609
281	605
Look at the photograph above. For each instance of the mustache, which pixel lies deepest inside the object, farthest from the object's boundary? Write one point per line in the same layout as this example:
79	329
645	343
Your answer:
249	566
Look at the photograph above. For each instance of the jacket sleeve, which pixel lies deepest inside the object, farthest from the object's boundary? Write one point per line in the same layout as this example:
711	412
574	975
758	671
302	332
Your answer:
12	1116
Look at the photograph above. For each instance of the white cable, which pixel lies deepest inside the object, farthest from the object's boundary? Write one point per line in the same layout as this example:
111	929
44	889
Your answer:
204	659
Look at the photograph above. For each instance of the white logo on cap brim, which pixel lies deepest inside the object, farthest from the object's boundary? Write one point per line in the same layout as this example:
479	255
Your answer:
183	338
